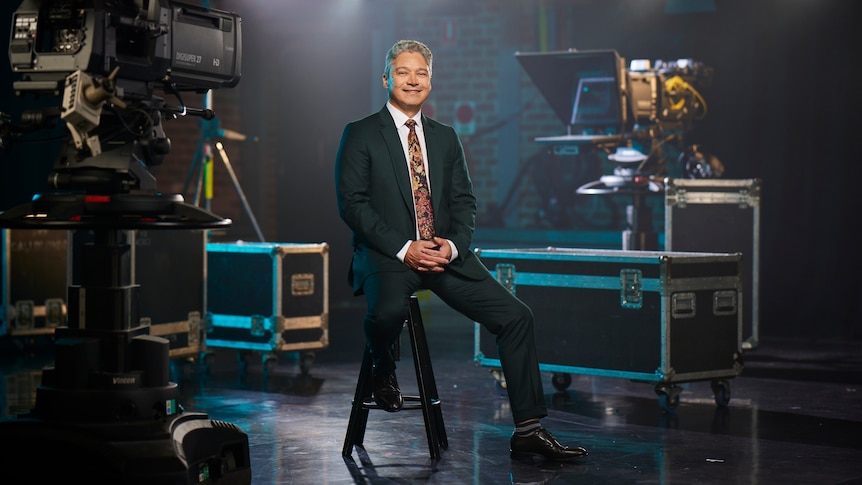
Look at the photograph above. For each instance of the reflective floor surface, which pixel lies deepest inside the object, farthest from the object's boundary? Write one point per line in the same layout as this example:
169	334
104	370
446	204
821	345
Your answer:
794	416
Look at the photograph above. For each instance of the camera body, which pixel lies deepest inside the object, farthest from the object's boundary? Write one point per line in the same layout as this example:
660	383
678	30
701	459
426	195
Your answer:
187	46
665	92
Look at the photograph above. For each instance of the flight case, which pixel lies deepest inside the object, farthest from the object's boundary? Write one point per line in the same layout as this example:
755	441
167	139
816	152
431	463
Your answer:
657	317
720	215
268	297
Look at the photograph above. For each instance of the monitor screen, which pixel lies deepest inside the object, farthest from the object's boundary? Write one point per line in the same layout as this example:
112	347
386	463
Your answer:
583	88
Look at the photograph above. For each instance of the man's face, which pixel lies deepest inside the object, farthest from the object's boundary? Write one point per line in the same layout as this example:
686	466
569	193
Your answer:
409	82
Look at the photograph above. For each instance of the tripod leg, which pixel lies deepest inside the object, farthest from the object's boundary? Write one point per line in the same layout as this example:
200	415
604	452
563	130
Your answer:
201	171
239	191
205	179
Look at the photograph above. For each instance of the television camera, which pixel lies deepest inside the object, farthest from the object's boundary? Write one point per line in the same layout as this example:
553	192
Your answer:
107	59
106	408
665	102
636	117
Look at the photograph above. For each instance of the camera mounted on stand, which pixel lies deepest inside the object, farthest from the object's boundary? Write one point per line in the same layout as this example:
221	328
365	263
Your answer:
106	407
636	116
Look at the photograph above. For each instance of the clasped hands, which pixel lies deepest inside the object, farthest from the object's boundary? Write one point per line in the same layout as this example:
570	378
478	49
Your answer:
428	256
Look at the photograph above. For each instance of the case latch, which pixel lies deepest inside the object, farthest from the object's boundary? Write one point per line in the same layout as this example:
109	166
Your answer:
25	314
257	328
55	312
631	288
506	276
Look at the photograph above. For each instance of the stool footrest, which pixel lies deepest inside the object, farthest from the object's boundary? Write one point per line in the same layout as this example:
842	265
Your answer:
410	403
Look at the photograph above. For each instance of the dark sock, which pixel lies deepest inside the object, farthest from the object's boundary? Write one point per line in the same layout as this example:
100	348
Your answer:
526	427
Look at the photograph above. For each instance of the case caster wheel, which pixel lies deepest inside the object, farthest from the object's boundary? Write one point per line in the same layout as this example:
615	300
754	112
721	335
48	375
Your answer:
207	361
561	381
270	363
183	368
668	397
721	390
243	359
305	361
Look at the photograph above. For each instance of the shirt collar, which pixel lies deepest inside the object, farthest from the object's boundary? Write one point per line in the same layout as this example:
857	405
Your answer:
400	118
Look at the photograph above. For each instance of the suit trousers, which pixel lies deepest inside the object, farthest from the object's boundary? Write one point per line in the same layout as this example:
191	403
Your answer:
484	301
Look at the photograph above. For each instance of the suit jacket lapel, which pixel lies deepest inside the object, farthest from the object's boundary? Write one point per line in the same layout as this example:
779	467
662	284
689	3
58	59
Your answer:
435	164
396	155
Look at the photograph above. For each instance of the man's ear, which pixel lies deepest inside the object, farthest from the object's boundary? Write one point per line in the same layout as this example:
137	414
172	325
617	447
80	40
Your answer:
385	82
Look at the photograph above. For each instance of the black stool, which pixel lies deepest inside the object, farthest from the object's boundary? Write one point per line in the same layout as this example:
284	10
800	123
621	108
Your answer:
427	400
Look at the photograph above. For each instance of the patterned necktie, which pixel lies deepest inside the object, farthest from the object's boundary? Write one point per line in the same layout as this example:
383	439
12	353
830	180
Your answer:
419	182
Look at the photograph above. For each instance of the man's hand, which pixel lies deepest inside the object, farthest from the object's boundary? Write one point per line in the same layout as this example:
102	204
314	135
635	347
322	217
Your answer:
430	256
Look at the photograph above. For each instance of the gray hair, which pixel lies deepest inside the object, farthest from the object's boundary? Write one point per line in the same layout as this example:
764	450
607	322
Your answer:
407	46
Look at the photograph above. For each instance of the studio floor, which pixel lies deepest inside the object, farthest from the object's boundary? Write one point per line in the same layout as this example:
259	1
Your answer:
794	416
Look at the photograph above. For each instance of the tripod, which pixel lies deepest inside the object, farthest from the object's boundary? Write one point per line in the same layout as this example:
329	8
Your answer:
202	165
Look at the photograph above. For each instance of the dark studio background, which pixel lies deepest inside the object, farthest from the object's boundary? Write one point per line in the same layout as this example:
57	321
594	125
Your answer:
783	107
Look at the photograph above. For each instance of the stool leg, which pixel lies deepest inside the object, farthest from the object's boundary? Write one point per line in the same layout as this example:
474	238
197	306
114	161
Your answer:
358	412
433	415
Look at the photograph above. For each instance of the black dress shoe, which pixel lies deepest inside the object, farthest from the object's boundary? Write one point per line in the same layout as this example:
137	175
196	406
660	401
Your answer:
541	443
387	395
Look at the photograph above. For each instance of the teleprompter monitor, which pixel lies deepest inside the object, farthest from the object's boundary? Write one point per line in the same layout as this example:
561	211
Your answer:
586	89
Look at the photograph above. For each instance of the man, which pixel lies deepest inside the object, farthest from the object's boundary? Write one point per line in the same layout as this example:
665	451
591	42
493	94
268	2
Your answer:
404	241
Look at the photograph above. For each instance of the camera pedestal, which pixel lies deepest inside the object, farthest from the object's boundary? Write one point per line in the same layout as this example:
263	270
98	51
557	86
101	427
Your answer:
639	233
106	408
627	180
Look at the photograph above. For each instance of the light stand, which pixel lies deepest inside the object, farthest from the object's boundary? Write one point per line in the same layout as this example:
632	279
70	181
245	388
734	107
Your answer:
201	168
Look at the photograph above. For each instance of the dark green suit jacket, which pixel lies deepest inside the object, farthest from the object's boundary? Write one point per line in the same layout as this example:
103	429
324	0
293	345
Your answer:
375	199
